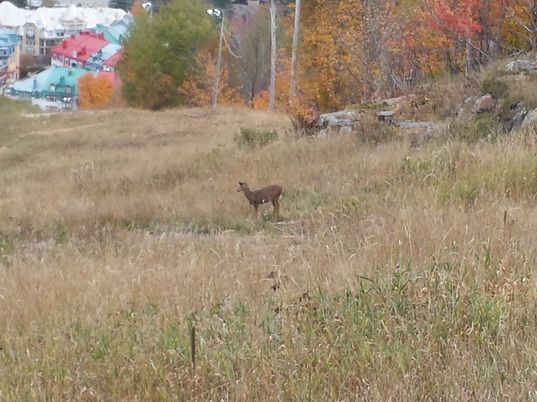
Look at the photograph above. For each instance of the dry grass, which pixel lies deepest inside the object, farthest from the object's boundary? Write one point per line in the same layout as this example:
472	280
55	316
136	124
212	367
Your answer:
398	274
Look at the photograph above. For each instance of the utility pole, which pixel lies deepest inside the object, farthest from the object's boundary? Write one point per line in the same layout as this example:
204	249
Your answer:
294	51
218	65
272	54
219	14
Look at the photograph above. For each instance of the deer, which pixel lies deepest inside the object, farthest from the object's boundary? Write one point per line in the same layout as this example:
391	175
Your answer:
270	193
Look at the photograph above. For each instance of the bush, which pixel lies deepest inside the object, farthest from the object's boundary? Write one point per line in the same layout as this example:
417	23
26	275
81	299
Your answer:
483	127
374	132
255	138
303	115
497	88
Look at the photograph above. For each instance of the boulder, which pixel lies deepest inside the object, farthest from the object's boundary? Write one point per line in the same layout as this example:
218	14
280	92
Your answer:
412	124
337	120
530	118
517	66
386	115
485	104
519	113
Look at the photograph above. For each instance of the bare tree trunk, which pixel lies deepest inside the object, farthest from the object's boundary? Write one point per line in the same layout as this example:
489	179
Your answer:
272	91
469	55
294	51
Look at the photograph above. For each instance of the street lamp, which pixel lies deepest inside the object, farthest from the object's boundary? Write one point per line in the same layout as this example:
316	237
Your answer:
148	6
219	15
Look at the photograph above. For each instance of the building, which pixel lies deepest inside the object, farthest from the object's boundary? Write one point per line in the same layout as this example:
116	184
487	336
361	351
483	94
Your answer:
55	88
9	56
117	32
88	50
41	29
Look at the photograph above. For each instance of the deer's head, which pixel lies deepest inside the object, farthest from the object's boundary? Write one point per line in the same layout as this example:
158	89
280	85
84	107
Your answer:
242	186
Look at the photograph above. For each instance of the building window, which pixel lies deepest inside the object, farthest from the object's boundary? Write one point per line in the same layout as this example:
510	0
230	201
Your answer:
30	31
68	89
52	87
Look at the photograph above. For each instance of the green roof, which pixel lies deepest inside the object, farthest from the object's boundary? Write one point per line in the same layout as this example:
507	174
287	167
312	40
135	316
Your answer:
59	76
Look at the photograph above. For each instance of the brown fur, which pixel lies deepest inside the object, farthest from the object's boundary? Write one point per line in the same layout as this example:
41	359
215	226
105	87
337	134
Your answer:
270	193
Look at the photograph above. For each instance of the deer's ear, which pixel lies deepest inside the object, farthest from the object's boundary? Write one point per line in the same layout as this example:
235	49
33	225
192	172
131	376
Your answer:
240	183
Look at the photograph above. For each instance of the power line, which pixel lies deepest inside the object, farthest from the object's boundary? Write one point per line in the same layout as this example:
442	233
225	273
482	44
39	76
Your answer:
227	45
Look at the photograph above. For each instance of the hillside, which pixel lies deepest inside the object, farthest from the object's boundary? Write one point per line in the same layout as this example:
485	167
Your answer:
131	269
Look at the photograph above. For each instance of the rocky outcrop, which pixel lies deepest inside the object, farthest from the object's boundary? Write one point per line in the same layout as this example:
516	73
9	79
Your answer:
343	121
517	66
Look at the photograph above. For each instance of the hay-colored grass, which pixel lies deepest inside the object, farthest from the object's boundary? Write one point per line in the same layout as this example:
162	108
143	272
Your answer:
398	274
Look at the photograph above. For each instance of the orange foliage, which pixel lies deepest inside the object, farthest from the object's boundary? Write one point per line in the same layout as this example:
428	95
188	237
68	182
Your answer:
261	100
94	92
199	87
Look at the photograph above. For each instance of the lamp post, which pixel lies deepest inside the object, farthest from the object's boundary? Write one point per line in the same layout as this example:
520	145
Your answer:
219	15
148	6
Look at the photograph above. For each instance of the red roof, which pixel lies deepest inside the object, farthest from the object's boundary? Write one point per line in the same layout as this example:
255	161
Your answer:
112	60
81	47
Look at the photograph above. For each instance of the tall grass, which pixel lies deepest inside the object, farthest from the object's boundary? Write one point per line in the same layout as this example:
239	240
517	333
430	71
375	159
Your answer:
395	274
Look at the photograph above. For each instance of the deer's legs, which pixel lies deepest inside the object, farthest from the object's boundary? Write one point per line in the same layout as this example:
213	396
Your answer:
276	208
255	212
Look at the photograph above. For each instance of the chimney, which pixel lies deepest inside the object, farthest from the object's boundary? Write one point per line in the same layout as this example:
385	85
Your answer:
64	44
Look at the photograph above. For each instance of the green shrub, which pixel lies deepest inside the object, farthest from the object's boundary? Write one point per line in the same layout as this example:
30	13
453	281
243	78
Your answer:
482	127
255	138
373	132
497	88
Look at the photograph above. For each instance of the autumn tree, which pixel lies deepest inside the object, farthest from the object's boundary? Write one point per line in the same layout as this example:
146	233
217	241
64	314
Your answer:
520	30
354	50
455	23
158	52
198	88
94	91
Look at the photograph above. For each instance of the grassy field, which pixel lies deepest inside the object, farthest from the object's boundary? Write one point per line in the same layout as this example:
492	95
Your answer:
132	270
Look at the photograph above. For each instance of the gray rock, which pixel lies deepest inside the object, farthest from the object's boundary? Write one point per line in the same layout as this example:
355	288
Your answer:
530	118
485	104
517	66
335	121
386	115
515	122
